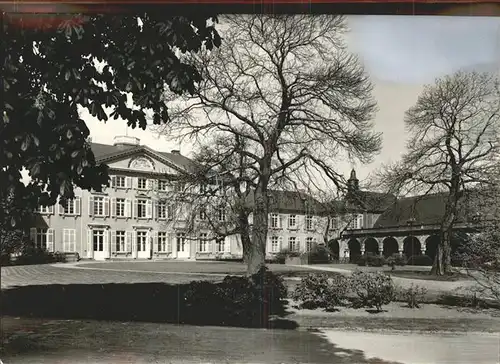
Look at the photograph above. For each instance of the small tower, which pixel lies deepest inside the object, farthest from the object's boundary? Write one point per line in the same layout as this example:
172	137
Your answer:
352	184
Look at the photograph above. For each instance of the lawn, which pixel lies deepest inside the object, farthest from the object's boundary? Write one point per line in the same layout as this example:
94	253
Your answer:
425	275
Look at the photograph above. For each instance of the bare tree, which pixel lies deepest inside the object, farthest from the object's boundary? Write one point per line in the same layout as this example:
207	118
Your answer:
285	87
453	144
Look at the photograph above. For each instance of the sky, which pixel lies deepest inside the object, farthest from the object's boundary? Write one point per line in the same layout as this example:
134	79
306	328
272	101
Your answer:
401	54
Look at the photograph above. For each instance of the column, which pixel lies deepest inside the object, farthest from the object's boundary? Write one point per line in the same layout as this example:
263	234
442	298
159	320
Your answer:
108	242
362	246
150	243
343	251
380	246
400	240
423	243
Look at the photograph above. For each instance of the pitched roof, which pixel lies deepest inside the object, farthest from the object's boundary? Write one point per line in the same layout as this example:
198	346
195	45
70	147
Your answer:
104	151
425	210
369	201
290	202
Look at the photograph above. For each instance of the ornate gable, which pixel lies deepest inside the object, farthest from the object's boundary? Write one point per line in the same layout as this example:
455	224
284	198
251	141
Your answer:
141	161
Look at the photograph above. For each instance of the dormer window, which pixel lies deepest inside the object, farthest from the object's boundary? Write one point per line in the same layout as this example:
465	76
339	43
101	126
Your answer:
120	181
292	221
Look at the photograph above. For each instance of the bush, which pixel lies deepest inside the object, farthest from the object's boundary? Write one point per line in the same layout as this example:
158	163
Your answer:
321	291
319	254
422	260
31	254
281	256
236	300
371	260
413	295
396	260
373	289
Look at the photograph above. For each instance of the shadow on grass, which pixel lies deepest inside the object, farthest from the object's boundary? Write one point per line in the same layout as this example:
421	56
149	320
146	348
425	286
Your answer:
143	302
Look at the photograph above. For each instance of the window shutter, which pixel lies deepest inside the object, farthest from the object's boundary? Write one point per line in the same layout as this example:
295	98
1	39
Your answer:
170	243
113	182
151	184
106	206
149	209
106	241
155	210
65	240
113	206
135	181
128	208
154	241
280	243
91	205
61	208
128	182
134	213
50	240
297	244
33	235
128	241
227	245
113	241
78	206
89	242
51	209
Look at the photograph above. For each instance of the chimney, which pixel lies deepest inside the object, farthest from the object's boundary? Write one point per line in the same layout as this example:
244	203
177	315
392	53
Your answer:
175	151
121	140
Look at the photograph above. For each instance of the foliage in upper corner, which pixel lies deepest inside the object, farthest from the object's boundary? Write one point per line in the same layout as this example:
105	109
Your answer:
55	63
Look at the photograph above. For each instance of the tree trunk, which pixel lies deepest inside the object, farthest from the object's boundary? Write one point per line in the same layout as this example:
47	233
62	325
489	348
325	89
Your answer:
442	261
257	251
246	242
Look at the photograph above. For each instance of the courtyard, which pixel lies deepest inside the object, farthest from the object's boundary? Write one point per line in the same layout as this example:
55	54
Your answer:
78	312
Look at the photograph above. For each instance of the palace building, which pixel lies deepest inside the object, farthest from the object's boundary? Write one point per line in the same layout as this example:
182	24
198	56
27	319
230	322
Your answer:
128	219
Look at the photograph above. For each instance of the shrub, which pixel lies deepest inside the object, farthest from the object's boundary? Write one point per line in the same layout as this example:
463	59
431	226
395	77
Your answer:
373	289
281	256
321	291
396	259
423	260
271	284
319	254
31	254
236	300
413	295
371	260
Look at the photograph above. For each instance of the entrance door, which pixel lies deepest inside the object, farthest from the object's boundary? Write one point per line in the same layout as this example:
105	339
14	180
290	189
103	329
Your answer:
143	248
99	244
182	246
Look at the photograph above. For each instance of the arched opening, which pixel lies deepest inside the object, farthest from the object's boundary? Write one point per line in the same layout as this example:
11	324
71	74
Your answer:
371	246
431	246
390	247
411	246
354	250
334	247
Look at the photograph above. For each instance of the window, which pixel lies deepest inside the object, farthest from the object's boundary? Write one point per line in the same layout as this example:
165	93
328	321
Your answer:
46	209
292	244
142	183
120	241
179	187
69	240
274	221
275	244
41	238
163	242
99	206
181	242
292	221
162	210
203	188
120	207
72	207
120	182
203	246
163	185
309	223
309	243
221	214
334	222
142	238
98	240
220	245
142	208
203	214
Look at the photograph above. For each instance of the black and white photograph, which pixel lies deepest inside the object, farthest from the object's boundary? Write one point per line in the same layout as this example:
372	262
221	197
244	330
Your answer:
238	186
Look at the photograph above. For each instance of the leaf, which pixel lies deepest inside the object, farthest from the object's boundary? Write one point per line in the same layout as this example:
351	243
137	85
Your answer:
67	75
69	134
5	117
75	153
35	170
26	143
